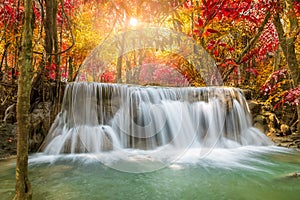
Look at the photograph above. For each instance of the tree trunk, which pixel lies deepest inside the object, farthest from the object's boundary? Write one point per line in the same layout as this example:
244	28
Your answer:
288	47
119	69
52	49
48	28
23	186
70	67
287	42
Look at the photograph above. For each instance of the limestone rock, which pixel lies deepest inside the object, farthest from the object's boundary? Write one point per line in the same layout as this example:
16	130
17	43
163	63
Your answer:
285	129
106	142
247	93
255	107
39	125
260	118
293	175
260	126
273	121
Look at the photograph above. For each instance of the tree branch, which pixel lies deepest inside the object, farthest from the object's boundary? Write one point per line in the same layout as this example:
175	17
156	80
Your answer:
71	32
250	44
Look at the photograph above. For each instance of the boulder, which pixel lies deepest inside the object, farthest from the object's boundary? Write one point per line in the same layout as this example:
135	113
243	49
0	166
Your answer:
106	143
285	129
293	175
260	118
260	126
255	107
40	118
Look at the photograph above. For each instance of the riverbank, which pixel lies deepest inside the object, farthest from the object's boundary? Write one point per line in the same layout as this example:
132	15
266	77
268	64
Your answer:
8	140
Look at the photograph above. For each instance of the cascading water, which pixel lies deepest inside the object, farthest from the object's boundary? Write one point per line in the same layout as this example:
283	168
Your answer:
98	117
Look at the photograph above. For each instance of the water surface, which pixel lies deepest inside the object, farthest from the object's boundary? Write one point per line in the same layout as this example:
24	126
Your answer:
240	173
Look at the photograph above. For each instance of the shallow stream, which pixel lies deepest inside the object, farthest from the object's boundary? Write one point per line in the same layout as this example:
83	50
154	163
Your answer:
249	172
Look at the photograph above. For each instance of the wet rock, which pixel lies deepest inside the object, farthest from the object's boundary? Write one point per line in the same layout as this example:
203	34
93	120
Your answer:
107	144
255	107
259	122
248	93
284	144
273	121
260	126
289	141
293	175
260	118
285	129
40	119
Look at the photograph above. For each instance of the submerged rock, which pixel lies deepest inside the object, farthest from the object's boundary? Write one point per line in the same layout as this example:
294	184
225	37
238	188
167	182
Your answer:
293	175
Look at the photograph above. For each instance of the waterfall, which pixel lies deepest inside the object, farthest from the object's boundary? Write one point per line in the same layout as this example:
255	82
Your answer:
98	117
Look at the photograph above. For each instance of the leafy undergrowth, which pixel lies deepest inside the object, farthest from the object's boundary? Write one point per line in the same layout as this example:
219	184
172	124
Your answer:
278	90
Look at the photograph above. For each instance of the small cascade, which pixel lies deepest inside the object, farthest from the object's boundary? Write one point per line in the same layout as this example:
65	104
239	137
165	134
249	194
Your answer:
97	117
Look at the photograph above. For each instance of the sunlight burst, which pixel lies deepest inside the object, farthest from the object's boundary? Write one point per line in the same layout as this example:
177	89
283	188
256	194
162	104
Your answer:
133	21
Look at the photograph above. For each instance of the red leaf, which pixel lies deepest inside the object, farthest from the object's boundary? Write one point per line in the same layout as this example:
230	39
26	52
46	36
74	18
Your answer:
226	13
250	19
212	30
253	71
231	62
197	32
216	53
199	23
210	47
188	5
212	42
222	44
224	65
231	49
206	33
